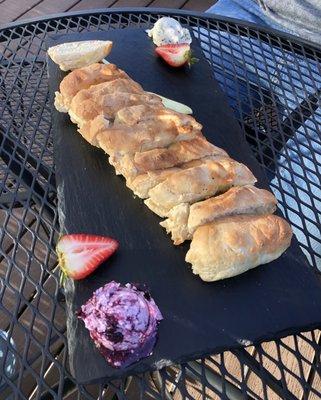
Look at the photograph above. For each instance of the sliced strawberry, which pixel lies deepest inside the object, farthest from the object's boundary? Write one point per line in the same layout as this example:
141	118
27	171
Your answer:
80	254
176	55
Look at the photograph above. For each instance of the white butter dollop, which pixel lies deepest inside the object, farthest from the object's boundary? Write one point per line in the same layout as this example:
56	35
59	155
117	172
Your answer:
167	30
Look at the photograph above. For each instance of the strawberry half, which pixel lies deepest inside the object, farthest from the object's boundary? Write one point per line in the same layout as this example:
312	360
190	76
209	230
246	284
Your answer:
176	55
80	254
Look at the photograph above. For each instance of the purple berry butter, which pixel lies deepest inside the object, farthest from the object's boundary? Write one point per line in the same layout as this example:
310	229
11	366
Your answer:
122	321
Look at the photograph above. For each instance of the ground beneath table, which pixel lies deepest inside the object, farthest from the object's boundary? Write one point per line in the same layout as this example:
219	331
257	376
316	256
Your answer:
13	10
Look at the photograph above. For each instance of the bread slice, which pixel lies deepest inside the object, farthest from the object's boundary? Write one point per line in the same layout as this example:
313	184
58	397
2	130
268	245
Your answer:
178	153
231	246
84	109
198	183
165	128
83	78
142	183
184	219
88	103
74	55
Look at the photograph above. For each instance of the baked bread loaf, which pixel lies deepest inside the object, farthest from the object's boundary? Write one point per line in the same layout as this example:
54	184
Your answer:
83	78
231	246
167	161
184	219
79	54
197	183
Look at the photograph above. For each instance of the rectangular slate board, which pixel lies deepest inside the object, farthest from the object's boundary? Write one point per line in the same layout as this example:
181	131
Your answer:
200	318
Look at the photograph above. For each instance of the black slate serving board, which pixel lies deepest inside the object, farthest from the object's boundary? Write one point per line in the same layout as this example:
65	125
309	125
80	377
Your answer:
199	318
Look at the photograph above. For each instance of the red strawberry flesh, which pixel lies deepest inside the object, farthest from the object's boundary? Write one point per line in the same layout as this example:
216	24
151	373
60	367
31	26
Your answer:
176	55
80	254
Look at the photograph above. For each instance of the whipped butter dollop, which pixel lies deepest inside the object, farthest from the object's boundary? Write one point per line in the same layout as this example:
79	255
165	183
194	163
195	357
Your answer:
168	30
122	321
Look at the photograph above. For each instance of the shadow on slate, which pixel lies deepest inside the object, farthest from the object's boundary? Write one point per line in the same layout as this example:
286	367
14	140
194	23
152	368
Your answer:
200	318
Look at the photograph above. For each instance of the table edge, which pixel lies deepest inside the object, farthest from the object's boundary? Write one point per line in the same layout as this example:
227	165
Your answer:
163	11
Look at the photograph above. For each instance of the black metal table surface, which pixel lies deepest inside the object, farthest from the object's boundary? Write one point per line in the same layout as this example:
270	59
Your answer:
32	316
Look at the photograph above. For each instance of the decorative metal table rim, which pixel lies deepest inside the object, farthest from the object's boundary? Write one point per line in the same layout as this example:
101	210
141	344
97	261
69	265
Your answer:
273	84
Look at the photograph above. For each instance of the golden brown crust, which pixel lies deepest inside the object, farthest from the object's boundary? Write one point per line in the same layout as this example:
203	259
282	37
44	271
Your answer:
131	116
86	108
177	154
130	140
183	220
91	129
145	135
94	93
141	189
143	183
83	78
199	182
131	165
231	246
236	201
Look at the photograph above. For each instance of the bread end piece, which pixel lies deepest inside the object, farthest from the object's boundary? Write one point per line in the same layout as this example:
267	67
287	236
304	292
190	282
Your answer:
234	245
74	55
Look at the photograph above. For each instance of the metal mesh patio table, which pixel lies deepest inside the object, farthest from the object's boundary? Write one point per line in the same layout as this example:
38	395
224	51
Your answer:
32	310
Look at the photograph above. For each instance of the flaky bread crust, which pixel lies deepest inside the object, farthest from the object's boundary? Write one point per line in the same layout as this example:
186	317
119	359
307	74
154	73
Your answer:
237	200
87	108
229	247
131	116
91	129
145	135
131	165
176	223
143	183
108	98
83	78
176	154
95	93
197	183
183	220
